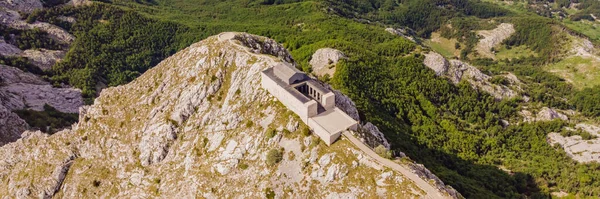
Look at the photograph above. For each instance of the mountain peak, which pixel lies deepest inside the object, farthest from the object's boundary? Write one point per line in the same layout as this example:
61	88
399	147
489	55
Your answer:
195	122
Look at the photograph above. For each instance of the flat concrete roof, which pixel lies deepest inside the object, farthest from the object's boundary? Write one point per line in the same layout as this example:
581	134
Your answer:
334	120
297	94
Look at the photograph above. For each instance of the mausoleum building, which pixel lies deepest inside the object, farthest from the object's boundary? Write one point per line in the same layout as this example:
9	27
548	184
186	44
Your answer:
314	104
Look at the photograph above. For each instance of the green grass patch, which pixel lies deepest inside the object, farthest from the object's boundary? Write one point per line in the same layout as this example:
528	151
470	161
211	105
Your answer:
446	47
579	71
514	52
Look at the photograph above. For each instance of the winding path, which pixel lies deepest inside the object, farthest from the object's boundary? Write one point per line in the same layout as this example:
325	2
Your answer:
430	191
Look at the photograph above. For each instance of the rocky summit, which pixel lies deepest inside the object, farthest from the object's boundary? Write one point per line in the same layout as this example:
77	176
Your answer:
196	125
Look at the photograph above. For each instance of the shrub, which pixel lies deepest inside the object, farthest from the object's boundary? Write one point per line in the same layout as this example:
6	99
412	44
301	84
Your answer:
271	133
243	166
383	152
274	156
269	193
305	131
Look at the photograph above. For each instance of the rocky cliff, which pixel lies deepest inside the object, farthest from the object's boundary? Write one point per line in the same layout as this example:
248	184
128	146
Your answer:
196	125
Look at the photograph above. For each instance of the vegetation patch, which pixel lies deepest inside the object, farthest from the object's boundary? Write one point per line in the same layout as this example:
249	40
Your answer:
48	121
274	156
579	71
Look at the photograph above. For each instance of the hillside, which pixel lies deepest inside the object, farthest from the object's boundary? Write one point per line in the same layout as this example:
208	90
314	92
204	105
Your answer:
198	124
499	99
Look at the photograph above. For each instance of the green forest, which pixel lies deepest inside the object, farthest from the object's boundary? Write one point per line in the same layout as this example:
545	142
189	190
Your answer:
454	130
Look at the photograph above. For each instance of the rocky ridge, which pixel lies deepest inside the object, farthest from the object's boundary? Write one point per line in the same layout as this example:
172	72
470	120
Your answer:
184	129
324	60
583	151
492	38
456	71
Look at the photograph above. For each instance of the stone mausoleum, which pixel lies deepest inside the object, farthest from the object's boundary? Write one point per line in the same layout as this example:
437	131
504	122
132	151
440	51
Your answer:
308	99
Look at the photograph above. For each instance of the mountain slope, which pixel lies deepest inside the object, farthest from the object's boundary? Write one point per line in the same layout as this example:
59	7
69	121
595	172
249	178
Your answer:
197	124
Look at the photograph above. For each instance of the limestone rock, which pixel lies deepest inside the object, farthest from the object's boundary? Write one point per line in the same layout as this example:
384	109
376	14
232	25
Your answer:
25	6
423	172
264	45
372	136
11	126
7	49
13	19
547	114
12	75
437	63
22	96
324	61
492	38
44	59
180	130
583	151
21	90
79	2
403	32
456	71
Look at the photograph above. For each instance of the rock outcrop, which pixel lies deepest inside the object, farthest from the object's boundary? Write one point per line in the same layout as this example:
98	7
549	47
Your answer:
11	126
264	46
13	19
42	58
403	32
22	90
493	38
7	49
456	71
583	151
324	61
193	126
437	63
545	114
25	6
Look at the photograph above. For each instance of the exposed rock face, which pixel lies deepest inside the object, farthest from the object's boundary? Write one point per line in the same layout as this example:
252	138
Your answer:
21	90
583	48
492	38
7	49
324	61
264	46
13	19
403	32
11	126
437	63
420	170
79	2
25	6
372	136
456	70
580	150
545	114
44	59
190	127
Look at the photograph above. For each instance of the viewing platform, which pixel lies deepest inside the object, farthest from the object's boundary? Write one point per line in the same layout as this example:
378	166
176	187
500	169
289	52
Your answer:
314	104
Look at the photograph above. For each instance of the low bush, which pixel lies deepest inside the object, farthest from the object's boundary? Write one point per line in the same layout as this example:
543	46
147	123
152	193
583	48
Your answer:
274	156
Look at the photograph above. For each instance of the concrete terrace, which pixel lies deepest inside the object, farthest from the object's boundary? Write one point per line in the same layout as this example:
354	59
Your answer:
308	99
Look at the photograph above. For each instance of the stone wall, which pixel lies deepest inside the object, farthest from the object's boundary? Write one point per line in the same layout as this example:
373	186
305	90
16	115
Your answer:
303	110
327	137
328	101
